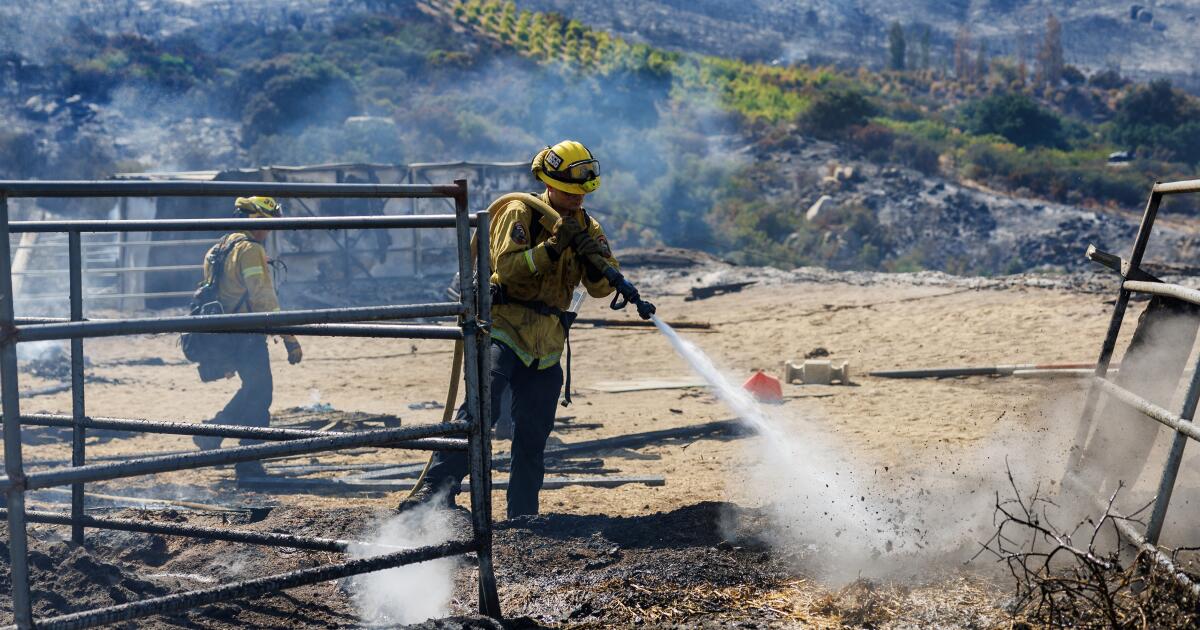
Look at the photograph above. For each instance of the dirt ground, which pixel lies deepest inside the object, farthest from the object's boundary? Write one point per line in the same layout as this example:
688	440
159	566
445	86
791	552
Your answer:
602	556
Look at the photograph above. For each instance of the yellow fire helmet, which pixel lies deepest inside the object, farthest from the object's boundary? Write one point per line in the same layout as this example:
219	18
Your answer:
259	207
569	167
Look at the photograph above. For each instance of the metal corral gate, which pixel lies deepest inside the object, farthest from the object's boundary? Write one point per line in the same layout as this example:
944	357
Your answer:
1134	279
473	311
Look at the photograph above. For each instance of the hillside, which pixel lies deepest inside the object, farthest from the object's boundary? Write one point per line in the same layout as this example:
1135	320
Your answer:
1097	35
762	164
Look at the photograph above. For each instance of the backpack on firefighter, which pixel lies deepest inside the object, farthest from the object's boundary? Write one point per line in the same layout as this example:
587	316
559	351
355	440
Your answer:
213	352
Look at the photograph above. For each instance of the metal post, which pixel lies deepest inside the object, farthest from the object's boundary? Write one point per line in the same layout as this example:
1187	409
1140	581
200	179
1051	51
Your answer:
1166	484
470	321
18	548
78	432
416	234
123	255
1114	329
481	488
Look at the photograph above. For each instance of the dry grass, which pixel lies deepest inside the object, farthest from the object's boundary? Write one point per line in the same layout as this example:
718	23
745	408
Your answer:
798	602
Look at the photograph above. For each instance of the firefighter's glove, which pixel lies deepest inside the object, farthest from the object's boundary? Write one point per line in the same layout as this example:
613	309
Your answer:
585	247
566	230
295	353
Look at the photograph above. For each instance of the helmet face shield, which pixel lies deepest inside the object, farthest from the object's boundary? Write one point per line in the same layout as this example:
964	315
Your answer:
583	171
579	172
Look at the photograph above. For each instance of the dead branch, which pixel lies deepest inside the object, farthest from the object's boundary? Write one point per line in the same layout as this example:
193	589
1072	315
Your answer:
1065	578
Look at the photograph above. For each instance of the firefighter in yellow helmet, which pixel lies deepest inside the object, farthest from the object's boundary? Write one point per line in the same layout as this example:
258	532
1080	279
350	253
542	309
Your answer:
536	267
245	286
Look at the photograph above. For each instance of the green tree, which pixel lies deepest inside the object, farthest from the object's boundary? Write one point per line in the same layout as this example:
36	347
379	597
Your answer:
896	47
302	92
834	110
1017	118
1160	119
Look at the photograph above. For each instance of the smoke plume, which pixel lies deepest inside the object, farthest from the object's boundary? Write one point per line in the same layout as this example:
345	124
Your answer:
411	593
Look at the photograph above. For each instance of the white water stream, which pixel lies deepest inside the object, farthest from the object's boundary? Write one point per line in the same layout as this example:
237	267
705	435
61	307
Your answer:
813	492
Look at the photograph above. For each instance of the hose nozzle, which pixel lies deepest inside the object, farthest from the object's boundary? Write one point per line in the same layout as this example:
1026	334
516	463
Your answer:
626	294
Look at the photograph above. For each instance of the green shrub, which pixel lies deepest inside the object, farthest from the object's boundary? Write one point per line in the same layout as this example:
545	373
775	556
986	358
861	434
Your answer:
1159	120
304	91
834	110
1018	118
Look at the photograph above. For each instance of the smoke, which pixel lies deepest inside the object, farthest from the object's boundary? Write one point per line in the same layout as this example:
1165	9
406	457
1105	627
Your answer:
225	104
49	350
411	593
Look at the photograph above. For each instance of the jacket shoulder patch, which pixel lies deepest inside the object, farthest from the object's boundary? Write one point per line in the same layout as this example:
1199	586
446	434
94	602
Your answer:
519	235
605	250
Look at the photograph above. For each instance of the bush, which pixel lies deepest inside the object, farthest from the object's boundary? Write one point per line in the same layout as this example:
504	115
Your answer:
1160	120
918	154
874	140
1017	118
834	110
1108	80
1055	175
301	92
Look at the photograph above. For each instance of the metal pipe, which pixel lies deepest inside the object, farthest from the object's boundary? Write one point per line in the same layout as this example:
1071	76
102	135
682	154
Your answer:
51	188
1166	484
241	322
1150	409
1084	427
223	430
170	463
78	433
481	486
991	370
1172	188
467	281
234	224
251	588
381	331
1164	289
270	539
10	398
110	271
91	297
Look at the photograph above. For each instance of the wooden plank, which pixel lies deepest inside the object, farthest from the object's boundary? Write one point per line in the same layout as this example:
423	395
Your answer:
644	385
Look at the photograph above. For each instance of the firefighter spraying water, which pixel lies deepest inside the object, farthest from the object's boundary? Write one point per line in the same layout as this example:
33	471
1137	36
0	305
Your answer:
542	248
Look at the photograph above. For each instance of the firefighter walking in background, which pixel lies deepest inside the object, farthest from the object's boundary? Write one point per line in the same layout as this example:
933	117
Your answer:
536	268
239	268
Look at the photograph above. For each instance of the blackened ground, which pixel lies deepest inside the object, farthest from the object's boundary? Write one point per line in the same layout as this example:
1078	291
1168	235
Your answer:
697	565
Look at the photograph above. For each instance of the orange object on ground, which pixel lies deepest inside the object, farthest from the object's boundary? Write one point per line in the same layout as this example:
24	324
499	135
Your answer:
764	387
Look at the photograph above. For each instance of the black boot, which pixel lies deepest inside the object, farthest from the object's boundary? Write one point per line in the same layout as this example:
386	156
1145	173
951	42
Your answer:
428	494
248	470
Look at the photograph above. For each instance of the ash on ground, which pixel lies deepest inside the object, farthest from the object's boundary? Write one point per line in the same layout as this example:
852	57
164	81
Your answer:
553	570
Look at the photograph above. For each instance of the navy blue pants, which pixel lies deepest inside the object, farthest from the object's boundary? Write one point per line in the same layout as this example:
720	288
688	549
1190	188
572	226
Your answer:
251	405
533	401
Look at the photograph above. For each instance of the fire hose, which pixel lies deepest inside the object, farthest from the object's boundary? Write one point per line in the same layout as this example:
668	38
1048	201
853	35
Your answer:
625	293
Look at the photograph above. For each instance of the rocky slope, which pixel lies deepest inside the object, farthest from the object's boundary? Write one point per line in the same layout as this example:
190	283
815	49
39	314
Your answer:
1134	37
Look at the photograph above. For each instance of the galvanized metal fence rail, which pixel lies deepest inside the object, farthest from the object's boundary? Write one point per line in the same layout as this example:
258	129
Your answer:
1135	280
472	311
